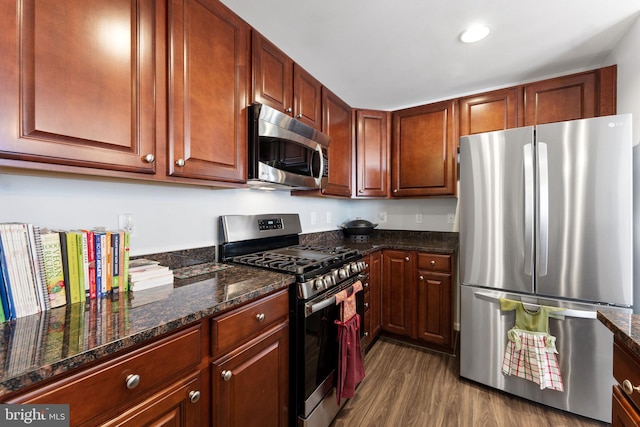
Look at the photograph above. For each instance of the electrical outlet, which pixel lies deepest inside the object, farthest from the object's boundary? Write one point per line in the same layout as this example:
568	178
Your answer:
382	217
329	218
126	222
451	218
418	218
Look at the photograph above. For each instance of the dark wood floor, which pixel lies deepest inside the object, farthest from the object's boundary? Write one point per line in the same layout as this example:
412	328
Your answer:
410	386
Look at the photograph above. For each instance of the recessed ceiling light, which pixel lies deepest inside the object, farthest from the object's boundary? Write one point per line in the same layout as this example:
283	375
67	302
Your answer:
474	33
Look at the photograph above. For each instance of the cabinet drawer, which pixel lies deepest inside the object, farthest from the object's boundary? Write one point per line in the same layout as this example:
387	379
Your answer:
230	330
434	262
626	367
103	387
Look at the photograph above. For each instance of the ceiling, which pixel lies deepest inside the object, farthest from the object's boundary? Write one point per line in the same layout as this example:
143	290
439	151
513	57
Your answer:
387	55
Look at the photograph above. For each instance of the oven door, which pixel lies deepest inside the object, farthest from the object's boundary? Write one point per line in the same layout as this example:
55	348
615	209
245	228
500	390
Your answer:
319	344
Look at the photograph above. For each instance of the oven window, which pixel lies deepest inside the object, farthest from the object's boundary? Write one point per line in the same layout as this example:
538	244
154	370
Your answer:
320	347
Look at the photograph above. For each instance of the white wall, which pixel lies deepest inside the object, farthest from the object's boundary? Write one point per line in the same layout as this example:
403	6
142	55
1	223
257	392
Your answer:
171	217
626	56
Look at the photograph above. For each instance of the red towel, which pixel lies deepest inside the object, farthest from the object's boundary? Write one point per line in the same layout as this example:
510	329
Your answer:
350	365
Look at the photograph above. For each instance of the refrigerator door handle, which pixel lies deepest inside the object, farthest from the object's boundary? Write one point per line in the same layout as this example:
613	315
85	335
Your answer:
528	208
543	209
579	314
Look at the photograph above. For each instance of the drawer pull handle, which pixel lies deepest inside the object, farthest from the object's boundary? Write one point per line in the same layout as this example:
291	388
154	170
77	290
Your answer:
132	381
421	278
194	396
366	305
366	285
226	375
433	263
629	388
260	317
180	162
149	158
366	334
406	258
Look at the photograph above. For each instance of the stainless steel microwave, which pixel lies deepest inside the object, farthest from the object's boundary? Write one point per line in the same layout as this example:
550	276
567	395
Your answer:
285	153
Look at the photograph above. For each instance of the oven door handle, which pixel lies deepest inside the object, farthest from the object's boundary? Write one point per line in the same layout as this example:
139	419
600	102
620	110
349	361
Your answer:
328	299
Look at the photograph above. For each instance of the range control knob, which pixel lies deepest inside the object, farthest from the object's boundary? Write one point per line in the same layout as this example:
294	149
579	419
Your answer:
342	273
354	267
319	284
329	281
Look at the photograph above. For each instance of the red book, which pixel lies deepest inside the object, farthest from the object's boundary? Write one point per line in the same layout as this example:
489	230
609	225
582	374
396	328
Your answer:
91	255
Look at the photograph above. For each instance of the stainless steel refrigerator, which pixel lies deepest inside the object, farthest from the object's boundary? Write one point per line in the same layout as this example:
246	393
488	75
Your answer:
546	219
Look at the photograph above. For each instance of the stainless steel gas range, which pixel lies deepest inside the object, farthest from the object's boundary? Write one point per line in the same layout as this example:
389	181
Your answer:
272	242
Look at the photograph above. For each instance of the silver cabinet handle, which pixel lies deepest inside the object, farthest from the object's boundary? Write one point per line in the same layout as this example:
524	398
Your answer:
260	317
180	162
226	375
406	258
299	116
132	381
421	278
629	388
149	158
194	396
366	334
395	190
366	305
433	263
366	285
288	110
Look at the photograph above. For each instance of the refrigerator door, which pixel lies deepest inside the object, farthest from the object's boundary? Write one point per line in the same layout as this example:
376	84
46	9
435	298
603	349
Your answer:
496	209
584	352
585	223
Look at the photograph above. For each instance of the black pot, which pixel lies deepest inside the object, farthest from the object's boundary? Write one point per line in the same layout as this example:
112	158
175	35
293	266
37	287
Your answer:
358	227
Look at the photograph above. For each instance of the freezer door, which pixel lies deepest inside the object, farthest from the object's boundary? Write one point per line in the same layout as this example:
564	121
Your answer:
584	352
496	209
585	228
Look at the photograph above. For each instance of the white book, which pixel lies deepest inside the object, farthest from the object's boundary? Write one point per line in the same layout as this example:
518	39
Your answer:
152	282
146	273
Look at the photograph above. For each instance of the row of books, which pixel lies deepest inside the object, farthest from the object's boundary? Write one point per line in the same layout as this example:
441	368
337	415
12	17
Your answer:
42	269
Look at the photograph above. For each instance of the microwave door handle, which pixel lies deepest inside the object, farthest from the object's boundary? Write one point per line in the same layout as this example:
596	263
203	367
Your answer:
321	171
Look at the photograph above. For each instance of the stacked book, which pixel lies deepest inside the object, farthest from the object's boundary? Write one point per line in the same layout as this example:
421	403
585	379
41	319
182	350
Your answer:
147	274
42	269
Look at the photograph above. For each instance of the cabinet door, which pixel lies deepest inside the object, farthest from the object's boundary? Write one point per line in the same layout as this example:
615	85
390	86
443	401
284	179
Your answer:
434	304
82	82
272	72
207	91
250	387
398	269
307	98
175	406
564	98
372	148
423	151
375	294
623	414
338	124
486	112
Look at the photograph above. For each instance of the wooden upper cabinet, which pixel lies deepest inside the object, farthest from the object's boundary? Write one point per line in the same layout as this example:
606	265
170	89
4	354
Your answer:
272	72
577	96
372	152
307	98
281	84
208	65
491	111
423	151
82	82
338	124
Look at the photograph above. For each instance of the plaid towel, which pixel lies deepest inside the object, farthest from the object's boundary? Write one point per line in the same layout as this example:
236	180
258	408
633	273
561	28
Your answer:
532	356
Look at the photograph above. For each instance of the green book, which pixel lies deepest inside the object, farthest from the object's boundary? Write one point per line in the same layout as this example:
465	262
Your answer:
72	260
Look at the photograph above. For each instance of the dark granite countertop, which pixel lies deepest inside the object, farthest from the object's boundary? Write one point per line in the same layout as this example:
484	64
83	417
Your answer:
625	326
38	347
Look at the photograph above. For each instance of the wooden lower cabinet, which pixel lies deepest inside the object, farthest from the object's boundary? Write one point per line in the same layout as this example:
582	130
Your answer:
625	410
250	386
157	384
250	368
417	297
372	298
